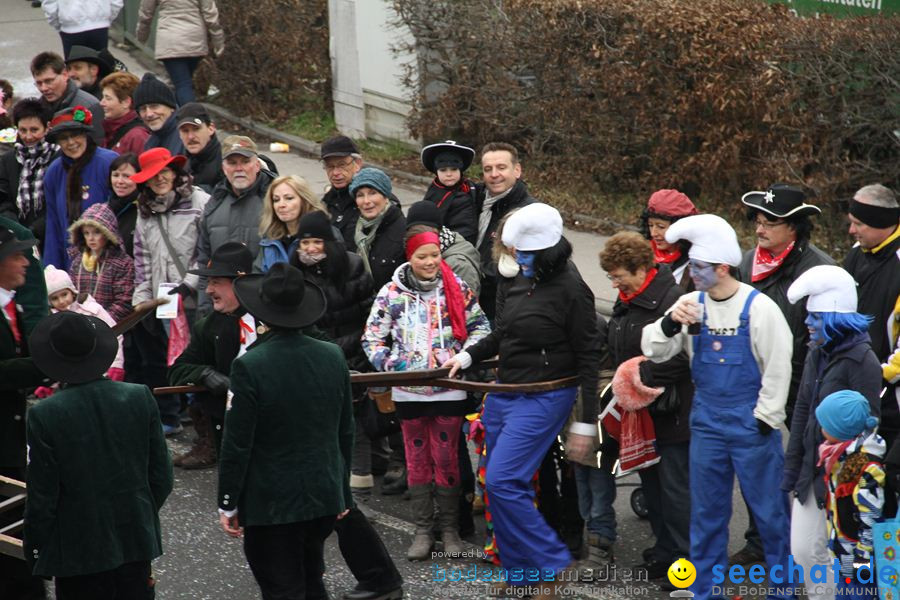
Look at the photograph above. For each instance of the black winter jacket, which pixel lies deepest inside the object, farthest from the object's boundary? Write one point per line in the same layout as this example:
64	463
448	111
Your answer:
623	340
803	257
457	207
546	329
878	287
126	213
206	165
387	251
347	308
10	169
517	198
850	366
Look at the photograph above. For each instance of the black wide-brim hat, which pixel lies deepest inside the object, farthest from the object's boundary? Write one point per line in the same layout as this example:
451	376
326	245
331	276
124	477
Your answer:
231	259
89	55
429	153
781	201
72	348
281	297
10	244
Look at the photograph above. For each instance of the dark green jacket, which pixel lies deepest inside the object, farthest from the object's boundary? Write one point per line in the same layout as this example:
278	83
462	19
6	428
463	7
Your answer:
18	375
31	297
288	432
98	474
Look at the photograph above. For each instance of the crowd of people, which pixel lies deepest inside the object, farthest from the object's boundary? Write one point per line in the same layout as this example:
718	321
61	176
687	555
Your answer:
118	192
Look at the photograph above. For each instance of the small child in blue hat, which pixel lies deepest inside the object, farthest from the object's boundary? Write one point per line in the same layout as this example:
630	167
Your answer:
852	456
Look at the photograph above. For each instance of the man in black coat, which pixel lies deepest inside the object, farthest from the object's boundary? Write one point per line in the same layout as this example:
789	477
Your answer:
202	147
502	191
17	375
783	253
874	262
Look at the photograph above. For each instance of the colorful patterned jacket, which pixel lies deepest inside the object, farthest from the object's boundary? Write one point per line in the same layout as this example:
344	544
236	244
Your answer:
854	499
409	330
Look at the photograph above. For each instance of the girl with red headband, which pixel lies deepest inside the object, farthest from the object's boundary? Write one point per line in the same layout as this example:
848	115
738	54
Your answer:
424	316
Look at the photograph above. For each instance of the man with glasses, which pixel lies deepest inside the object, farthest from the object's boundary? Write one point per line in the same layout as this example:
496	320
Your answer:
737	341
783	252
59	92
341	160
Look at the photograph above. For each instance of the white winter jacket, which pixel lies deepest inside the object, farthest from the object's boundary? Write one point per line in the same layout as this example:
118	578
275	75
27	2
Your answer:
182	27
73	16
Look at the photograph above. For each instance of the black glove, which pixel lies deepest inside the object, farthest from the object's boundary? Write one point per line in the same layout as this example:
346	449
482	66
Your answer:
183	290
764	428
215	382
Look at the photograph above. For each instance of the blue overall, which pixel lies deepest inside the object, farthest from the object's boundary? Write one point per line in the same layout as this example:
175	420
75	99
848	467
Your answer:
519	429
725	440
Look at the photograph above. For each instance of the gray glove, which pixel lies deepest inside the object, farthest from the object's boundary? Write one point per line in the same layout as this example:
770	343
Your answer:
215	382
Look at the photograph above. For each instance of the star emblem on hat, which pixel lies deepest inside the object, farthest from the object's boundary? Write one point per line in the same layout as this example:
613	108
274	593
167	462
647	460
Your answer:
770	197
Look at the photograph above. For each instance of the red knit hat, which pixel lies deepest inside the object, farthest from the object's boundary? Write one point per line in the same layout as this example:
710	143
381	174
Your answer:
671	203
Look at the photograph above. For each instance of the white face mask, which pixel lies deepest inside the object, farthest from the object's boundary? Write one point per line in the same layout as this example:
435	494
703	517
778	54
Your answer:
507	266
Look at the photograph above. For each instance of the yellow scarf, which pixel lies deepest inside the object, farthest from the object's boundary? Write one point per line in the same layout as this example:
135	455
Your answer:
89	261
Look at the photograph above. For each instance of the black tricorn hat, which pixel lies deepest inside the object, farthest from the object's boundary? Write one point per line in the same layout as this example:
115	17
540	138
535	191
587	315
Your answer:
231	259
430	153
780	200
281	297
72	348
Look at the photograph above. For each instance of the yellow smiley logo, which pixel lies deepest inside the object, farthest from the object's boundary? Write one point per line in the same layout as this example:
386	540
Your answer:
682	573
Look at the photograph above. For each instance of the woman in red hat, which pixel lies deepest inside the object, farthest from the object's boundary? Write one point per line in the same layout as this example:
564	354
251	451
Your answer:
74	181
165	237
664	208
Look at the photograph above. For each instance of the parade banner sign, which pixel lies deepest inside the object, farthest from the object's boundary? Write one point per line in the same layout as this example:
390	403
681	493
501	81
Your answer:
842	8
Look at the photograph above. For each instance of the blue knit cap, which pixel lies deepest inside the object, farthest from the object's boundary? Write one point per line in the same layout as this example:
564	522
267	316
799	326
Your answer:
373	178
845	414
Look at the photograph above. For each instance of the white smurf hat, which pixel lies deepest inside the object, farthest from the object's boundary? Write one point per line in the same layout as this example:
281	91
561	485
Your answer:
533	227
712	239
829	289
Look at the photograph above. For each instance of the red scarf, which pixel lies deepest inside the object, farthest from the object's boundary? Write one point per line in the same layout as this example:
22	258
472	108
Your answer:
765	263
463	186
628	298
456	303
666	257
829	453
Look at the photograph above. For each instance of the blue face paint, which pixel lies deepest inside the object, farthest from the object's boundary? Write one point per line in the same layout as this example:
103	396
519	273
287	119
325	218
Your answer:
816	330
703	275
525	261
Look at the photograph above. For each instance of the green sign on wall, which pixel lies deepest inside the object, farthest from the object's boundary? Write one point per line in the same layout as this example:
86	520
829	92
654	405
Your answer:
843	7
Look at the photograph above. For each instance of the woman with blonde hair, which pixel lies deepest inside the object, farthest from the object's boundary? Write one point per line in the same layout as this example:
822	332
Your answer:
286	201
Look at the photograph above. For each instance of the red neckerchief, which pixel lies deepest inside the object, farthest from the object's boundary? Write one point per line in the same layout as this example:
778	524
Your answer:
666	256
650	275
463	186
829	452
765	263
243	327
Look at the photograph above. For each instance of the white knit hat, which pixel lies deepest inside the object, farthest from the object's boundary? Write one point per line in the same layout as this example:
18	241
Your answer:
533	227
829	287
712	239
57	280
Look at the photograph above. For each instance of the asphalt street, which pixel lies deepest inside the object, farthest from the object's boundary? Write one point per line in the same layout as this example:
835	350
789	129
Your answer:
200	561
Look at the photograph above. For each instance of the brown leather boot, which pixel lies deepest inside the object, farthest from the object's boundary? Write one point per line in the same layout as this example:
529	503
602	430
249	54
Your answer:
203	454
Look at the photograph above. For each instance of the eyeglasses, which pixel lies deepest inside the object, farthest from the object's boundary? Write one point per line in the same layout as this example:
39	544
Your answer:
615	278
767	225
337	166
45	82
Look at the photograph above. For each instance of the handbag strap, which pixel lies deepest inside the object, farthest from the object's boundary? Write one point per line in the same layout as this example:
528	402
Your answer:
165	237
